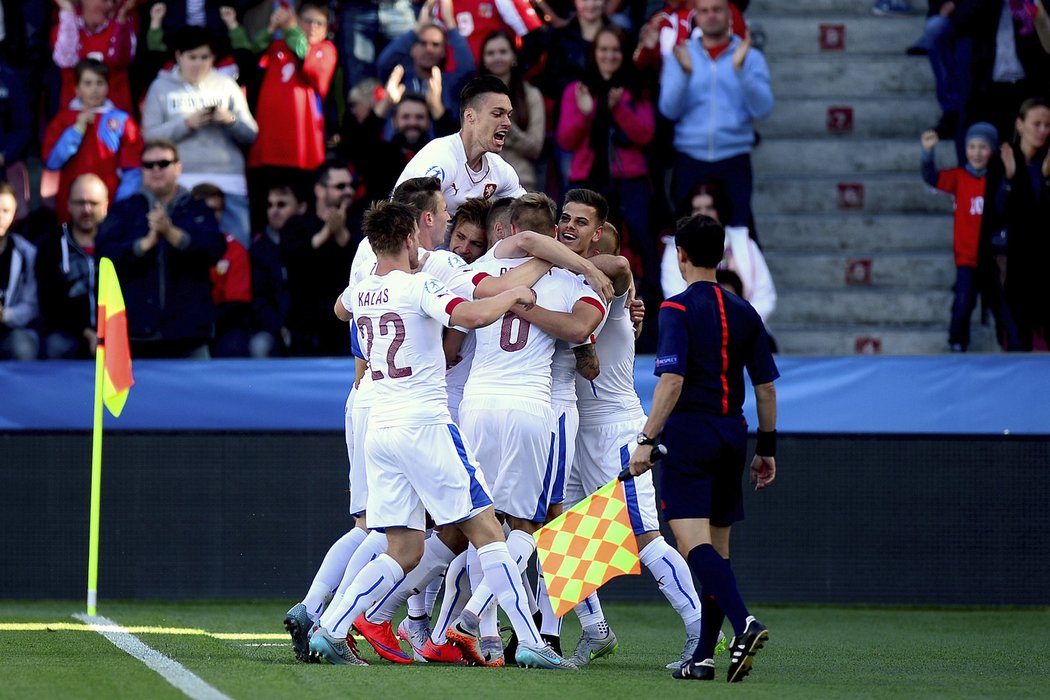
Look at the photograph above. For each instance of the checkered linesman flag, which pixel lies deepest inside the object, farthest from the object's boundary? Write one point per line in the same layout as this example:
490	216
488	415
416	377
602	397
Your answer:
586	546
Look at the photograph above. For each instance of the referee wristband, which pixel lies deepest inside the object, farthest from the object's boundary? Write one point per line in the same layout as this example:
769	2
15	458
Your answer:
767	443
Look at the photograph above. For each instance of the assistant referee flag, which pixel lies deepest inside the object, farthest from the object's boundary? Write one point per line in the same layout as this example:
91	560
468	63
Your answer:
113	339
586	546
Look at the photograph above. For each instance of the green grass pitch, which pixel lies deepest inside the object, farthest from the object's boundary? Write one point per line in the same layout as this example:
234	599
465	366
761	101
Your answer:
814	652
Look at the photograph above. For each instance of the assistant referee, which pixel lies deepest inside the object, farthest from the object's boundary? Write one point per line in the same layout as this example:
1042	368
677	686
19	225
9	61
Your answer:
707	337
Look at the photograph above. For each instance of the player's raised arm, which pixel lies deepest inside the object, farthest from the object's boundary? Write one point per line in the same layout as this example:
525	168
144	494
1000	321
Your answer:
475	314
524	275
546	248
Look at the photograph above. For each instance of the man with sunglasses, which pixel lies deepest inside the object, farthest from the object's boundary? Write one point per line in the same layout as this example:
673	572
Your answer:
316	249
163	244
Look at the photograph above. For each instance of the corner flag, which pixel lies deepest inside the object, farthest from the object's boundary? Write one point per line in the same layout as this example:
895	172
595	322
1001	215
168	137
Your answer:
112	381
586	546
113	339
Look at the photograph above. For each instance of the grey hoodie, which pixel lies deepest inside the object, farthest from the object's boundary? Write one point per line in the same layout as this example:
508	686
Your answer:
214	149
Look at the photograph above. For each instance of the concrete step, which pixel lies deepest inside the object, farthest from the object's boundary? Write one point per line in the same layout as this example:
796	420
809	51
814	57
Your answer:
883	194
860	8
843	76
787	35
863	117
879	340
855	233
915	271
863	305
828	156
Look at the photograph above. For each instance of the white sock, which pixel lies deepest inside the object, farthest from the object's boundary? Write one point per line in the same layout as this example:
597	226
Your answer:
675	580
505	583
432	593
551	624
373	546
589	610
457	591
375	580
436	557
488	620
330	573
520	546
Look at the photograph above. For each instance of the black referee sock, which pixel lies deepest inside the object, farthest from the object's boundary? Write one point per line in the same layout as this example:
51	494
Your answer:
711	618
717	580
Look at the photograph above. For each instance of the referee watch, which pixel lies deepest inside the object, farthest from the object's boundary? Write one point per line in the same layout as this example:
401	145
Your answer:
643	439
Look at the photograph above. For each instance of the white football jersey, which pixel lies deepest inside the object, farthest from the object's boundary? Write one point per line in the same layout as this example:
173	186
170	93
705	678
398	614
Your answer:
400	316
445	159
612	393
512	358
563	366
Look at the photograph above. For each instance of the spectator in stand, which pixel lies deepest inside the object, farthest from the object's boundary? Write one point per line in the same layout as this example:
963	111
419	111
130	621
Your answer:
16	132
298	65
528	122
1026	191
365	27
67	276
96	30
742	255
231	285
206	115
18	289
468	237
377	159
606	122
1008	63
316	252
479	19
163	244
950	63
270	297
423	55
967	185
92	136
713	91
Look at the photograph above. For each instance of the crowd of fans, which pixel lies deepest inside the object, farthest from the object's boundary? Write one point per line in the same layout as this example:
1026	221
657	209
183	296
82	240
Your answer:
242	140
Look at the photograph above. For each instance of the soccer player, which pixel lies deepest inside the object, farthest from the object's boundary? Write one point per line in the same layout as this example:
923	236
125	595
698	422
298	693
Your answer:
506	409
610	416
707	338
468	163
413	449
469	239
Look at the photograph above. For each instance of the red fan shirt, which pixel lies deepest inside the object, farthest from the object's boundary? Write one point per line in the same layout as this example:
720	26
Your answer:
969	207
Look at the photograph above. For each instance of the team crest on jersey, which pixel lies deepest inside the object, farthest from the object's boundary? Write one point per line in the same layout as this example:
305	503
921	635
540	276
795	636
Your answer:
112	124
490	189
664	361
435	171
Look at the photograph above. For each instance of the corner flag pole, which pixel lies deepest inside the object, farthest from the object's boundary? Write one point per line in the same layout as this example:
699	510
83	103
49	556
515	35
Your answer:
96	483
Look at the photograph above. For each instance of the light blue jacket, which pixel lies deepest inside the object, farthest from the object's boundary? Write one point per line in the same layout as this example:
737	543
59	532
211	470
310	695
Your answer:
713	106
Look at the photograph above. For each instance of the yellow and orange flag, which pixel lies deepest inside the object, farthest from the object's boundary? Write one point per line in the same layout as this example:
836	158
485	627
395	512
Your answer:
113	339
586	546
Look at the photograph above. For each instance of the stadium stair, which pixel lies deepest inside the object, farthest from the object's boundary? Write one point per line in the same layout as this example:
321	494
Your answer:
860	249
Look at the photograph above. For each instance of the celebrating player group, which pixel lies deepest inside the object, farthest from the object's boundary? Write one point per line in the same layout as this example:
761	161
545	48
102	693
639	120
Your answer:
495	388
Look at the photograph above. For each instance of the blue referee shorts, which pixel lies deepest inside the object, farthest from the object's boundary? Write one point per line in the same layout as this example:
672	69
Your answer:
702	474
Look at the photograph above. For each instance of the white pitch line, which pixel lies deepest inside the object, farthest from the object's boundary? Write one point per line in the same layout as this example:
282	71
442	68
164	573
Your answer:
170	670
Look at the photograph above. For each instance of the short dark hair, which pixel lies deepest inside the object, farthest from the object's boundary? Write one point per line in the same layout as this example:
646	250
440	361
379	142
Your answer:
591	199
420	193
387	224
190	37
728	278
91	65
471	94
206	190
473	211
289	188
412	97
322	172
534	211
161	143
702	238
719	199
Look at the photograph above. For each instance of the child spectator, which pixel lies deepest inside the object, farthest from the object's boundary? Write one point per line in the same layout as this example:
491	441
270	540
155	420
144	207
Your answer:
92	136
205	113
966	185
231	284
94	30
